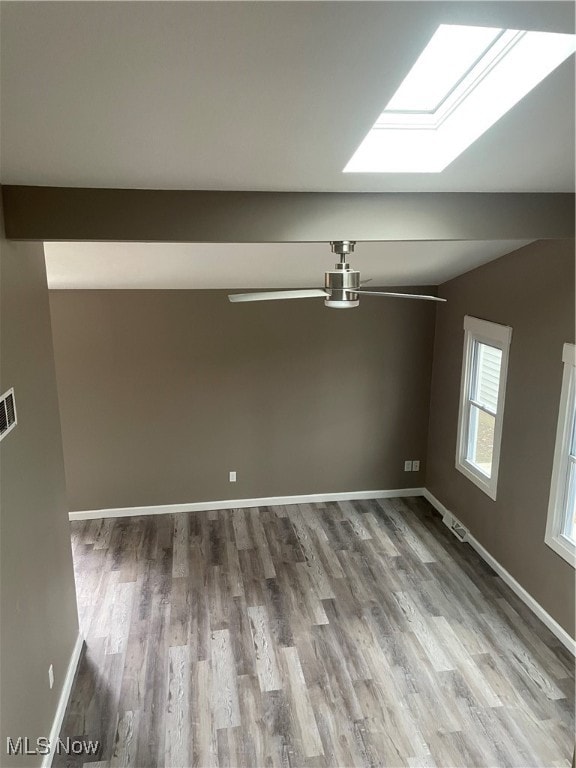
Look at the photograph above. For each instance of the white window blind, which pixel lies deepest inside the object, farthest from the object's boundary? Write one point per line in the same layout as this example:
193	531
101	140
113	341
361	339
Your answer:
487	376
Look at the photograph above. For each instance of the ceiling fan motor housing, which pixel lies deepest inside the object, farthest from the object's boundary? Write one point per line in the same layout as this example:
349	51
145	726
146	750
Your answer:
336	281
339	279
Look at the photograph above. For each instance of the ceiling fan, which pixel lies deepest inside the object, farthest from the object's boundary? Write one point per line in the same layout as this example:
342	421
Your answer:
342	286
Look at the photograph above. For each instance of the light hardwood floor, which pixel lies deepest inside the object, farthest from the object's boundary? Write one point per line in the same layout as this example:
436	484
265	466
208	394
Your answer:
338	634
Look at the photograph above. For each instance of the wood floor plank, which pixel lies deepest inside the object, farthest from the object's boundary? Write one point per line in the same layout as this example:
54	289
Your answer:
329	558
554	665
262	745
522	656
278	613
309	594
345	627
99	626
241	637
241	532
104	533
395	715
318	575
257	745
310	515
378	532
233	570
217	597
340	741
304	714
261	544
417	680
252	576
264	653
380	733
422	761
180	552
178	707
205	748
356	521
465	663
119	626
279	724
152	732
323	635
124	753
339	684
104	714
224	692
133	686
422	629
180	611
406	532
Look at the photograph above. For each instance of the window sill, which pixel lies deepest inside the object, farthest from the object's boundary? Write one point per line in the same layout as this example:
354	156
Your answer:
486	484
563	547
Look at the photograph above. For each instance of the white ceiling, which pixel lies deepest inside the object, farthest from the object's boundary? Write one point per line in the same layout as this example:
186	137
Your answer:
244	95
259	265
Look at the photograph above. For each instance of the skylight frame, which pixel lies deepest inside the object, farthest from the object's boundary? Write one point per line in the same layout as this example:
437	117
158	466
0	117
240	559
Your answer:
416	71
492	55
420	141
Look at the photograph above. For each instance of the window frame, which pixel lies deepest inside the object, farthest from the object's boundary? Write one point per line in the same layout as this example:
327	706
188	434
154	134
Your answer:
555	523
494	335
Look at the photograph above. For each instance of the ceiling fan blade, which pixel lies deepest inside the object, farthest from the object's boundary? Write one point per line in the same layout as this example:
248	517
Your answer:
395	295
308	293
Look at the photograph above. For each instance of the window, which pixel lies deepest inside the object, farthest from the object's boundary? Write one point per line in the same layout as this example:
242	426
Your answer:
483	385
7	413
561	525
463	82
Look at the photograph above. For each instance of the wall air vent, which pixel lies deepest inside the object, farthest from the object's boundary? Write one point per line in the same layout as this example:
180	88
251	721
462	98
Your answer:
455	526
7	413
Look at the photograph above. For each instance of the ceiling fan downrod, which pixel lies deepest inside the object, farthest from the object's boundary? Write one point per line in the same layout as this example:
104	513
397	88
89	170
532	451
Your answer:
340	281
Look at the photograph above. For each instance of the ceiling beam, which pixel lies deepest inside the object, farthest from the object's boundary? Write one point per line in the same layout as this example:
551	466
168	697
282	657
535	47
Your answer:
64	213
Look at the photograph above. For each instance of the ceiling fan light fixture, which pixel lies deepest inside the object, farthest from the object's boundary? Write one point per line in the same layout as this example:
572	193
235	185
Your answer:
341	303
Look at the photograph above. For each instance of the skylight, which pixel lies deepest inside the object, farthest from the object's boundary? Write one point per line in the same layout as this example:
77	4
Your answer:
462	83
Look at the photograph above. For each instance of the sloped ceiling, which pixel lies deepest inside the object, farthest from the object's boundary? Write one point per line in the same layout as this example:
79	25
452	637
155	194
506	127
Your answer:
259	265
252	95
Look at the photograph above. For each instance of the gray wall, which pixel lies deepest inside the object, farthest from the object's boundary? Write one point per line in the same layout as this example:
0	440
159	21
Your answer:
531	290
37	598
163	392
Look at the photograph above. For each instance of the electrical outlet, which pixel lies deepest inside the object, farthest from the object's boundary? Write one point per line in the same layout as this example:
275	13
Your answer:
51	675
407	466
415	466
232	477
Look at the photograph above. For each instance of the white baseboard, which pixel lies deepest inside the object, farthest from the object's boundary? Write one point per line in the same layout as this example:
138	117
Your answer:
506	577
63	700
203	506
